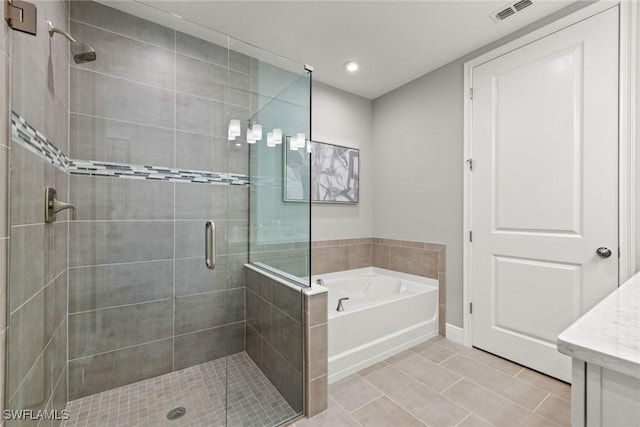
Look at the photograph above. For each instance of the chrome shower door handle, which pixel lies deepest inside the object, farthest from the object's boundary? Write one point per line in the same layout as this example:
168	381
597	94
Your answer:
210	244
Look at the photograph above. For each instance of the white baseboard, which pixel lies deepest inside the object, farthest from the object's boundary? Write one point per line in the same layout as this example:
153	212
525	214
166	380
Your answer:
455	334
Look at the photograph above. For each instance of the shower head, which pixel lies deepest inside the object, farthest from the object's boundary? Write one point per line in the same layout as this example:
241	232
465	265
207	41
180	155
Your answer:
82	52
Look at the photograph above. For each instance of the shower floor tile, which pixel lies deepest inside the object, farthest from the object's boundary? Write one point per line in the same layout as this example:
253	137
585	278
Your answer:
250	398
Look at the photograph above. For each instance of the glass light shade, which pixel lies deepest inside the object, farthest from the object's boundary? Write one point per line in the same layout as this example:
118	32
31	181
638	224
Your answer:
250	138
293	143
234	128
300	140
256	130
277	136
270	141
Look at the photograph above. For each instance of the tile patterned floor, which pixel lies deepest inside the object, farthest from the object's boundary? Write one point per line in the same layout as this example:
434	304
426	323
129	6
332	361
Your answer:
252	399
441	383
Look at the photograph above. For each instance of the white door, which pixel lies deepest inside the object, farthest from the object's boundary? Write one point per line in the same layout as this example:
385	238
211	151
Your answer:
544	189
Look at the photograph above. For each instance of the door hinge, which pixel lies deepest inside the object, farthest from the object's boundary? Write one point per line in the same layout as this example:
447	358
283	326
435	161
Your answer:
619	252
471	236
21	16
470	93
470	308
470	163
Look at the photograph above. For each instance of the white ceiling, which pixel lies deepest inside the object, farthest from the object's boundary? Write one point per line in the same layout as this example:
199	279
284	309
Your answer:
394	41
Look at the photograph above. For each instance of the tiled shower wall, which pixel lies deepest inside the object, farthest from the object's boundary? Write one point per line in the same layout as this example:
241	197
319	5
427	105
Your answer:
141	302
274	333
417	258
5	150
37	328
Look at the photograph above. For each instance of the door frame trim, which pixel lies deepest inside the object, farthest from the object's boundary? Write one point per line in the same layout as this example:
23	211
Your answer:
628	33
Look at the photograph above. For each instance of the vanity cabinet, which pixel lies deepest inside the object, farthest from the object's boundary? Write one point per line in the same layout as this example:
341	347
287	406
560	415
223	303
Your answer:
604	345
603	397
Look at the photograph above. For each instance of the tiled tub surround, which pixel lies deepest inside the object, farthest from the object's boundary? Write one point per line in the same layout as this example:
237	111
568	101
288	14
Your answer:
154	107
36	310
417	258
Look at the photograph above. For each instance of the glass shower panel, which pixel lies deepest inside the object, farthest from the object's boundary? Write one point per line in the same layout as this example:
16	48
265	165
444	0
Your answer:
148	139
279	95
280	209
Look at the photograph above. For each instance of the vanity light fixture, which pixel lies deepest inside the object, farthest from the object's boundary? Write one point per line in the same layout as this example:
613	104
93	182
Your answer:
351	66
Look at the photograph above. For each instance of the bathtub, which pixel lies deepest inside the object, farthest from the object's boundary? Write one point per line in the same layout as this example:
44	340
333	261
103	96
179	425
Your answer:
386	313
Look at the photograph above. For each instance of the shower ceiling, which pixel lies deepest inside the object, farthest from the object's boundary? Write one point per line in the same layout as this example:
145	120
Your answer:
394	41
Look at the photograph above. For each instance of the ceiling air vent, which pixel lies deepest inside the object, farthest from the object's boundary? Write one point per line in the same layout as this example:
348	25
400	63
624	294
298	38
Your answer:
510	10
522	4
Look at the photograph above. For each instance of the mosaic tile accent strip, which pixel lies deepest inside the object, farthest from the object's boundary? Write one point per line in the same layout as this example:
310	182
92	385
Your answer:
26	135
250	398
34	141
156	173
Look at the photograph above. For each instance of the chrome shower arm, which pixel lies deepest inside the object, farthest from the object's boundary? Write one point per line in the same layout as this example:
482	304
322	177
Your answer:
53	30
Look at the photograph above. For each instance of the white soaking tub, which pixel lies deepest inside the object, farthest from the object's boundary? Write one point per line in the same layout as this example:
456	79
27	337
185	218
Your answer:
386	313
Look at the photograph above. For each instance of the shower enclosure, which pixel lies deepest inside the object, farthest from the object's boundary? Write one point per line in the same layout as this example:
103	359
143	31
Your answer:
112	312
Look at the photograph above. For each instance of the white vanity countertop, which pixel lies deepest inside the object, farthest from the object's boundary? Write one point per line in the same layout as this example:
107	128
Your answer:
609	334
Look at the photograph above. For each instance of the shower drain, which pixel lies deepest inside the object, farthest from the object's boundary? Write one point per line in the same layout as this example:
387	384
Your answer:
176	413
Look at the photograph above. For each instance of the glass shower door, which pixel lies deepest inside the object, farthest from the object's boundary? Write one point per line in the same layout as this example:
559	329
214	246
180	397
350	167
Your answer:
113	313
147	317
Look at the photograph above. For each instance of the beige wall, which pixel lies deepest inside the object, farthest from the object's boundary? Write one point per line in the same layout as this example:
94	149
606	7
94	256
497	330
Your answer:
342	118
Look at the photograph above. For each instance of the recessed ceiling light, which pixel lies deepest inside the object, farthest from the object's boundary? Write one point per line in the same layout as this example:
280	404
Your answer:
351	66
